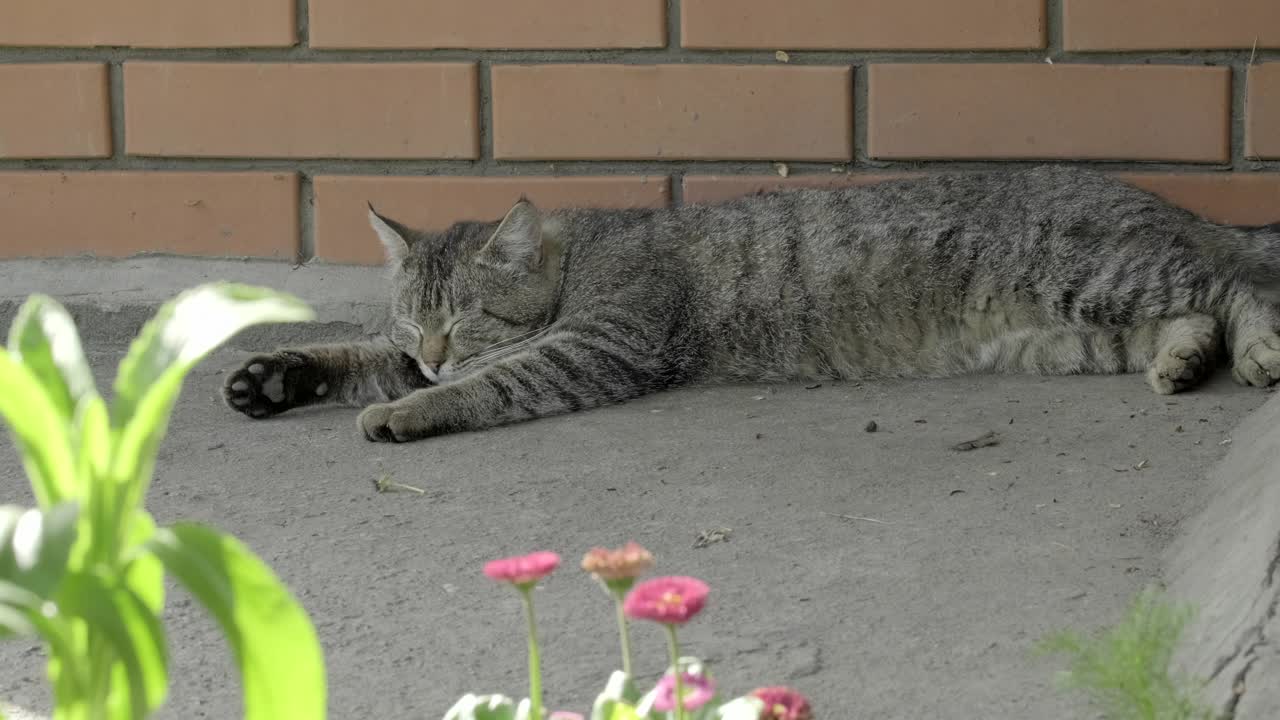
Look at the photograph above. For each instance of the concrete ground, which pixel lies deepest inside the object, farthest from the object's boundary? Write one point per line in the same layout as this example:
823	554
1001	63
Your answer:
883	573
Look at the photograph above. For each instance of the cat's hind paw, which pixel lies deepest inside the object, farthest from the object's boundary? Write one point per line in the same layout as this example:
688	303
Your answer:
1259	364
1178	368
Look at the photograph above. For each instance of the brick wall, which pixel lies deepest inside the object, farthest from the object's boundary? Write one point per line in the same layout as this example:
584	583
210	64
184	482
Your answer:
261	127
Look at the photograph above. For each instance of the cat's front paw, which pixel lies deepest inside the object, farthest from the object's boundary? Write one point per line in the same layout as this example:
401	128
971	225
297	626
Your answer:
393	422
268	385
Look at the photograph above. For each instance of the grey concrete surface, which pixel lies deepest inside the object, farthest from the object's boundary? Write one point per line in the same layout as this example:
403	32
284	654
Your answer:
111	299
883	573
1226	564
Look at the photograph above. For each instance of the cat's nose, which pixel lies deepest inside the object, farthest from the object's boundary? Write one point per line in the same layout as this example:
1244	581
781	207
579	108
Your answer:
429	370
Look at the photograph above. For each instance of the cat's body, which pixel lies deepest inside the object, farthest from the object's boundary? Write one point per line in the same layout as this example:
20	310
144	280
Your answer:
1048	270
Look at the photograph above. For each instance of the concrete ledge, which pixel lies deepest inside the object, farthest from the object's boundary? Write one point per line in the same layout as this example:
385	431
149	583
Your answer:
1228	564
111	299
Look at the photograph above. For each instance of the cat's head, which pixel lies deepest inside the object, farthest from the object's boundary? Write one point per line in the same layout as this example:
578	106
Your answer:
471	295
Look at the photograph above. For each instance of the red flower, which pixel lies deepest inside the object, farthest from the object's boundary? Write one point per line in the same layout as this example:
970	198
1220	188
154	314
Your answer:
524	570
782	703
669	600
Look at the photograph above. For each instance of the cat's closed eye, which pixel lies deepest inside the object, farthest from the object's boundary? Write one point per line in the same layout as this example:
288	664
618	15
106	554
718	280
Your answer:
500	318
406	336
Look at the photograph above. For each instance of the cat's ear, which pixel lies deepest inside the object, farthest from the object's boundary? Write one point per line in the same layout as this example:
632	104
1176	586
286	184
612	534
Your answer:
394	236
517	243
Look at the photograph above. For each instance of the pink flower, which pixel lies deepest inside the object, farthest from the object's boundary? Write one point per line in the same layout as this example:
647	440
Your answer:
698	691
524	570
669	600
782	703
565	715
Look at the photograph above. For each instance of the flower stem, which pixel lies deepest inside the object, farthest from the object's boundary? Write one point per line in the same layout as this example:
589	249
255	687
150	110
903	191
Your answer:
674	646
535	667
624	636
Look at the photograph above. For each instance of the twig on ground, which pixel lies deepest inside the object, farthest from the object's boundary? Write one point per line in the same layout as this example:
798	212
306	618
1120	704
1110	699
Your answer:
857	517
991	438
384	484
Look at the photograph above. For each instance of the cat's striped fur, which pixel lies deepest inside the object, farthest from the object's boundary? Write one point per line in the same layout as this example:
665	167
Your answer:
1049	270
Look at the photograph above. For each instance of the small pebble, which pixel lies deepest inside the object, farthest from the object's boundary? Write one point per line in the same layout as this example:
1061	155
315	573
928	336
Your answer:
872	426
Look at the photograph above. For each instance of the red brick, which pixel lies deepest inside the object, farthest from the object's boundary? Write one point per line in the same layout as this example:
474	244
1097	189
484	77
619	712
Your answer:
116	214
435	203
1262	125
1233	198
672	112
488	24
314	110
54	111
1170	24
863	24
149	23
710	189
1040	111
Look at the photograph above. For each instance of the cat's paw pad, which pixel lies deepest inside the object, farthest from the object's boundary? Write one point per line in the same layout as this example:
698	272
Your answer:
390	423
271	384
1178	368
1259	364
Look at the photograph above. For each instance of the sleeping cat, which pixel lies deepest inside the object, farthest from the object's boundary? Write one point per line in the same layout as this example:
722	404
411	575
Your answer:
1049	270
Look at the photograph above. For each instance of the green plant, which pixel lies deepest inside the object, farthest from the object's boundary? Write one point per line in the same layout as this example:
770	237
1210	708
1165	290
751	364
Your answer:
85	570
1126	670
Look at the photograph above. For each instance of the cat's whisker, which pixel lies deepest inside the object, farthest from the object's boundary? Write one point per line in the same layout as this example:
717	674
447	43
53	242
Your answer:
506	348
513	348
500	353
508	341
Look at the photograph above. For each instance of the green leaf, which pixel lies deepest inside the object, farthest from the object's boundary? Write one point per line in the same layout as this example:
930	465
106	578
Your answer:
31	614
35	545
44	338
275	646
23	613
617	699
16	605
134	634
150	377
144	573
615	710
40	432
92	437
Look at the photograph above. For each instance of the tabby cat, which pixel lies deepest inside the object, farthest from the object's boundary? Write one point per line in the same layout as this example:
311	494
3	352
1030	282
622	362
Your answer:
1048	270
